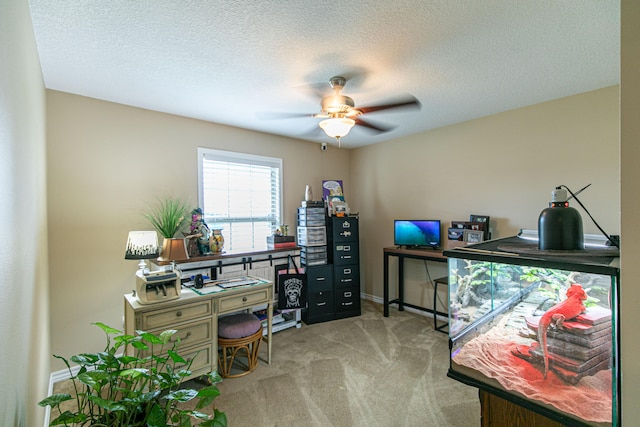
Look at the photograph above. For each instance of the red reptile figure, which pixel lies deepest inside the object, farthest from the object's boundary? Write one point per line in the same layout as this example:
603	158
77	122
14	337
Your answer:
565	310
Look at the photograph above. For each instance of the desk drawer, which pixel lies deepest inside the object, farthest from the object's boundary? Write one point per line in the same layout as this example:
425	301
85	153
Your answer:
190	334
202	357
246	300
167	318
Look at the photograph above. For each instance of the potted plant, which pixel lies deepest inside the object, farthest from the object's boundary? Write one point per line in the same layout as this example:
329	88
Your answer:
167	217
139	389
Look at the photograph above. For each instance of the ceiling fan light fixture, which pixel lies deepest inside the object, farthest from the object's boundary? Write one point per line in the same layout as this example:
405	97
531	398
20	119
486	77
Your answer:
337	127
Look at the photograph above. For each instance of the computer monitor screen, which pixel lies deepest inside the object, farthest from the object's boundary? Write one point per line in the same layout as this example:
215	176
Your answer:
420	233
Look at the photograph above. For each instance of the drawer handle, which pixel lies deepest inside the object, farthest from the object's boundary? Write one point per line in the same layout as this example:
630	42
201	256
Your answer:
320	304
346	280
244	299
347	303
346	257
179	314
321	279
347	294
347	248
347	271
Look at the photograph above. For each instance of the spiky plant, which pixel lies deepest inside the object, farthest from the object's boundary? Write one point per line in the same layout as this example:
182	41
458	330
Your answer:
167	216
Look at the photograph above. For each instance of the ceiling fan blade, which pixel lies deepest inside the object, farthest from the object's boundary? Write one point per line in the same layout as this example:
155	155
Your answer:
376	128
410	102
278	116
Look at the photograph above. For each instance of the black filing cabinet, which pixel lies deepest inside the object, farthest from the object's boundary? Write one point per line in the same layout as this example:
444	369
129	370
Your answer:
321	294
344	254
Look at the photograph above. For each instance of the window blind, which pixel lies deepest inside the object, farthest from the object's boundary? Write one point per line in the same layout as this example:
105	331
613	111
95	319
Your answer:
240	194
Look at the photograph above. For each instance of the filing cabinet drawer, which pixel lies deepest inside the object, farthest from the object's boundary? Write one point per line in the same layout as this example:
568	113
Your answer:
320	303
320	278
238	302
346	253
167	318
347	275
348	299
344	230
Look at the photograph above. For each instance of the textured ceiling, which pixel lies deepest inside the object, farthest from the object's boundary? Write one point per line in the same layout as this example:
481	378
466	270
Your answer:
234	62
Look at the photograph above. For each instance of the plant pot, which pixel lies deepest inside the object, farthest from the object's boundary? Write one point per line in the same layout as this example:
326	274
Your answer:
173	249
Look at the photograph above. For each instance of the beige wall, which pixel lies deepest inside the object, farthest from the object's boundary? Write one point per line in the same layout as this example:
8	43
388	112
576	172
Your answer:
504	166
91	152
24	338
107	162
630	177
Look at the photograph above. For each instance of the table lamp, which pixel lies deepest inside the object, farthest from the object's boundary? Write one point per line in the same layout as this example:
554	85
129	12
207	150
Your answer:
142	245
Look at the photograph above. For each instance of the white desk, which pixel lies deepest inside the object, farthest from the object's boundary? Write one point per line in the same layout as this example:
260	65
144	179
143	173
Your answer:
195	317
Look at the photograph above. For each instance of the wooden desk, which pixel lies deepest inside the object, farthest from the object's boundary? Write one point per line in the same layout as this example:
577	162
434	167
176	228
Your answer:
423	254
195	317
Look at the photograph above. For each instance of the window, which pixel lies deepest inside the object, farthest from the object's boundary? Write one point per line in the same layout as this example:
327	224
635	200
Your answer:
241	194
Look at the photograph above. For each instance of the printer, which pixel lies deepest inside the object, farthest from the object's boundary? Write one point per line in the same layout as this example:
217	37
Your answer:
157	286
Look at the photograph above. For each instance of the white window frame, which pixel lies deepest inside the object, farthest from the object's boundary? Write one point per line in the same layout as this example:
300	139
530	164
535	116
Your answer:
234	157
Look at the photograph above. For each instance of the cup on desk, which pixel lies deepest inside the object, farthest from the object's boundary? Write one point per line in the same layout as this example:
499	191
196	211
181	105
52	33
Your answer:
197	281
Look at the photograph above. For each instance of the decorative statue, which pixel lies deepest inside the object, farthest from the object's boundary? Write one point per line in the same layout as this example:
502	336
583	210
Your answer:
200	231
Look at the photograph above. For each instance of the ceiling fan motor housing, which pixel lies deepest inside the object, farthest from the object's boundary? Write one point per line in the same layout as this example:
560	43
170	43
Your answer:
332	104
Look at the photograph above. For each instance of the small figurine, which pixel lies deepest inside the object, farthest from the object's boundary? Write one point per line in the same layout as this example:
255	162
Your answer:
200	230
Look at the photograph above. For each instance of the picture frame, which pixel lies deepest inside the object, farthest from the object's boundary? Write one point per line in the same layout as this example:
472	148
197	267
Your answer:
478	218
482	219
455	234
473	236
459	224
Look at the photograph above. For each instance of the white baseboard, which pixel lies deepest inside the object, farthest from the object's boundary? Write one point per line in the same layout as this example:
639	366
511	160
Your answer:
409	309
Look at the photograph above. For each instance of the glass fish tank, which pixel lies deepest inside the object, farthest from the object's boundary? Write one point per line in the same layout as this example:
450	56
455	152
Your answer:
538	328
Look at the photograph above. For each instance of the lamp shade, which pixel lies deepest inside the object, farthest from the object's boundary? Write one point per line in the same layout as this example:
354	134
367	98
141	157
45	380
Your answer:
142	245
337	127
174	249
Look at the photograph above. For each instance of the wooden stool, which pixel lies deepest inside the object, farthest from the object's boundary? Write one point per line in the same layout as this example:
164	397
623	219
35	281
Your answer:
442	281
237	334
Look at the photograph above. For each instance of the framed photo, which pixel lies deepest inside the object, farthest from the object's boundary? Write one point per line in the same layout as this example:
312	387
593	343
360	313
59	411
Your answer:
459	224
473	236
479	218
455	234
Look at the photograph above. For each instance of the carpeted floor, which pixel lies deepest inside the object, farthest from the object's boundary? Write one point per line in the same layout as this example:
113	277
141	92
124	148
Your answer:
362	371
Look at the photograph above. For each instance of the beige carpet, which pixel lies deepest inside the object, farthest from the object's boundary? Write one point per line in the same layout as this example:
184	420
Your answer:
362	371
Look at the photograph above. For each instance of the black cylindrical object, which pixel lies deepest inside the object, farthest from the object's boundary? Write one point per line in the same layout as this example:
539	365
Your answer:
560	228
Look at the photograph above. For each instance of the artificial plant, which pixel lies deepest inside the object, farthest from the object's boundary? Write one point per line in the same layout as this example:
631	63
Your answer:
167	216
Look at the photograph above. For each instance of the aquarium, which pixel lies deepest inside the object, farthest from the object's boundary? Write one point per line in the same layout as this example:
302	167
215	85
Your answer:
538	328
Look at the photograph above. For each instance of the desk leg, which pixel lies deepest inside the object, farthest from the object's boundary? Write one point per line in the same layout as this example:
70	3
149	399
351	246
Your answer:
385	285
269	328
400	283
214	356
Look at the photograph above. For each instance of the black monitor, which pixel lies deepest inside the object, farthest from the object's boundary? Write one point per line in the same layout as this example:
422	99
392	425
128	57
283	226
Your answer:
419	233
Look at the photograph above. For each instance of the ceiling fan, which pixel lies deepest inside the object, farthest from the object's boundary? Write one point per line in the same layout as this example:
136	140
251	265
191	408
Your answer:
340	113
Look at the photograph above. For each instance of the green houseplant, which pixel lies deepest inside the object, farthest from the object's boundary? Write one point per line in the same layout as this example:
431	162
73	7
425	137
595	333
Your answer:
167	216
141	389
